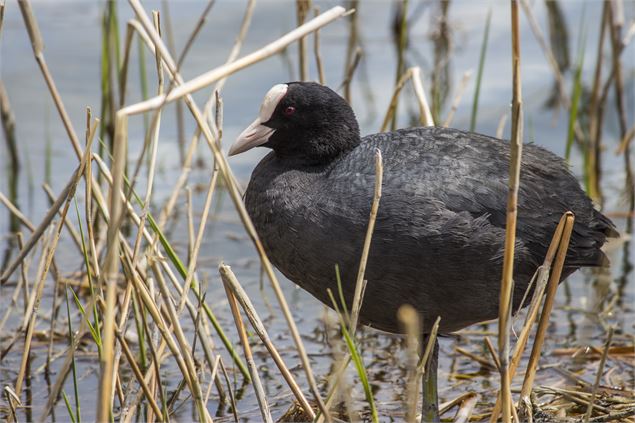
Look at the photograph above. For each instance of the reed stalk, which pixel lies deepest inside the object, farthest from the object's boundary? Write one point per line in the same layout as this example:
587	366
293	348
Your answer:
253	370
543	273
504	313
232	283
598	376
425	116
358	296
111	268
180	116
7	119
552	286
350	72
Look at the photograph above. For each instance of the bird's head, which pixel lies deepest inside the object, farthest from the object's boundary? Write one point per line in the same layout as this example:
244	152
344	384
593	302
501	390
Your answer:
301	120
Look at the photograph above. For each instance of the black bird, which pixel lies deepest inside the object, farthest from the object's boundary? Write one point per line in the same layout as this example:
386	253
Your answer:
439	237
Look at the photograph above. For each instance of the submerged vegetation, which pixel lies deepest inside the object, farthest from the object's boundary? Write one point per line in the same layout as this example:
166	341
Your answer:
110	300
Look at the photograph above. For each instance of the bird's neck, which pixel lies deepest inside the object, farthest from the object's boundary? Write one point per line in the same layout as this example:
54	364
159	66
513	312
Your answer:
317	149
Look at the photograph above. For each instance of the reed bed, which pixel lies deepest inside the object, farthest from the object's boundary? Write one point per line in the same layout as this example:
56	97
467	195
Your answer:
135	309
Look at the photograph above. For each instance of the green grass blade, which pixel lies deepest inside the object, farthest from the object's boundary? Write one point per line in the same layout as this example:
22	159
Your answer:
70	342
479	75
95	327
577	93
358	361
93	331
341	292
69	407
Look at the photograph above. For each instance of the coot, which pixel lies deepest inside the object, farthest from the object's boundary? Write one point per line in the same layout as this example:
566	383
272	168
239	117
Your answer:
439	236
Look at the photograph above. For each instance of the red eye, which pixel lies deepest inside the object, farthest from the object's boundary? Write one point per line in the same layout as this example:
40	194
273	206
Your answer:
289	110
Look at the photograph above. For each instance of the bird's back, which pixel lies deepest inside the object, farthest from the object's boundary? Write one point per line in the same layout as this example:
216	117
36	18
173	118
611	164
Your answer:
439	236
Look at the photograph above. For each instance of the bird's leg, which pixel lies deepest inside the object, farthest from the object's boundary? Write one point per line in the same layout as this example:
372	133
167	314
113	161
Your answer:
430	403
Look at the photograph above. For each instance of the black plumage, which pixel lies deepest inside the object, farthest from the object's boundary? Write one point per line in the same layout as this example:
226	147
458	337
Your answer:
439	237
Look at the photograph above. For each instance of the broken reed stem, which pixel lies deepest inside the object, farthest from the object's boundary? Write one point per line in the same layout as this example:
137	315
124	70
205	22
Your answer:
7	120
230	281
598	376
425	116
448	405
358	297
67	223
492	352
20	287
37	233
541	283
552	287
432	338
457	98
505	302
484	362
466	408
251	364
18	214
428	363
221	161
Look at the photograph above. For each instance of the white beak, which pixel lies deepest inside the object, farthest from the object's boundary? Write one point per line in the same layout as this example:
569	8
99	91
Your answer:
254	135
257	134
